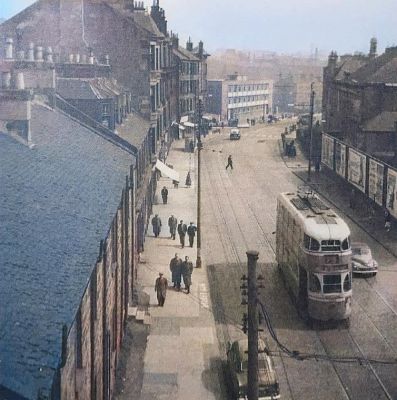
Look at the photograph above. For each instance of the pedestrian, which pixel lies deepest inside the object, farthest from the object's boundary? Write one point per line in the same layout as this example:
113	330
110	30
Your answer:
176	271
160	287
156	224
188	180
283	139
164	194
182	229
229	162
187	270
387	220
191	145
191	232
172	224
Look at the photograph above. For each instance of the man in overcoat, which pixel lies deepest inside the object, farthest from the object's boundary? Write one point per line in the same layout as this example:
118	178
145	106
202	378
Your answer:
160	288
187	270
172	223
191	232
182	229
176	271
156	224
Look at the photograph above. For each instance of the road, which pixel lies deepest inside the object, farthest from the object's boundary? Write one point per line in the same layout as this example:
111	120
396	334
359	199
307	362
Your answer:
239	213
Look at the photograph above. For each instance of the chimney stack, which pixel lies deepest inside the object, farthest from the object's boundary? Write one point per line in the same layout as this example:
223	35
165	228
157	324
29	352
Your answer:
91	58
372	48
71	58
9	49
201	49
77	58
189	45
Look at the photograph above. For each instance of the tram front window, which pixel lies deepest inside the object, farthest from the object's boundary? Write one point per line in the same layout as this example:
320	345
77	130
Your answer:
314	283
347	283
332	284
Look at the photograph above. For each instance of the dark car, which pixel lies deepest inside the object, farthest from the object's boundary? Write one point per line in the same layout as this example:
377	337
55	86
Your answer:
237	359
235	134
362	261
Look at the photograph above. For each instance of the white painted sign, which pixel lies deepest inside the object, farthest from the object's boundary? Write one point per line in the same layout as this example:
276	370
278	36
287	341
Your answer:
356	173
327	151
391	192
340	158
375	181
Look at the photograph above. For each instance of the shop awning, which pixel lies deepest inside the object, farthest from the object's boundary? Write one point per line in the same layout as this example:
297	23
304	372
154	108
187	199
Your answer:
167	171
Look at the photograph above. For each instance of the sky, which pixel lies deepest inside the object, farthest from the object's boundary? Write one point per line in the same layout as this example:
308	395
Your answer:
284	26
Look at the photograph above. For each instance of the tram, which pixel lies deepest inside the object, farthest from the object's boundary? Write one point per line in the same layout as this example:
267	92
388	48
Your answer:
314	256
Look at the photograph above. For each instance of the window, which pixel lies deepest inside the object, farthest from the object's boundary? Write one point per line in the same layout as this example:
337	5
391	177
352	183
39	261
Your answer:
332	284
314	283
330	245
310	243
346	244
105	109
347	283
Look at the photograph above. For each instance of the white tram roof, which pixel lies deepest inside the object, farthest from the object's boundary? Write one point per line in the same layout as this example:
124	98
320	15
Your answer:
319	221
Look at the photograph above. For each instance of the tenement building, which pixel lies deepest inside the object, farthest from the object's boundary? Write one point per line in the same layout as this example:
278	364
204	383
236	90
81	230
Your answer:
89	91
359	101
239	98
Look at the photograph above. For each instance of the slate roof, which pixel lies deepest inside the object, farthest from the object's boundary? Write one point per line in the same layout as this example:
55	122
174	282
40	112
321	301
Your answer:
350	65
377	69
87	88
383	122
134	129
184	54
57	201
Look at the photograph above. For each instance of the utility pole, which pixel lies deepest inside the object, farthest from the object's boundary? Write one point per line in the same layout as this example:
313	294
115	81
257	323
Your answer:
252	387
309	170
199	146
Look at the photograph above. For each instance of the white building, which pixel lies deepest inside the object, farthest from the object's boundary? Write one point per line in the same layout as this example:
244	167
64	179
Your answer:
239	98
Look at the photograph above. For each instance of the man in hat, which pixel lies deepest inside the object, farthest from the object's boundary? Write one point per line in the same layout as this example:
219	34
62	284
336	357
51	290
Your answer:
187	270
172	223
164	194
191	232
182	229
176	271
160	288
156	224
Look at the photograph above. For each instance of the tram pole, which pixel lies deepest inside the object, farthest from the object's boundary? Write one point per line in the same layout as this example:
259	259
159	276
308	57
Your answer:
252	387
309	168
199	146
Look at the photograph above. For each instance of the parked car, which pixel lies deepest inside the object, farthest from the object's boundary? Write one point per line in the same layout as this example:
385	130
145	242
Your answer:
237	360
362	261
235	134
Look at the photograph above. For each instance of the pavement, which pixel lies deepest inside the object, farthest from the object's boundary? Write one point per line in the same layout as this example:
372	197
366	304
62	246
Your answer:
182	347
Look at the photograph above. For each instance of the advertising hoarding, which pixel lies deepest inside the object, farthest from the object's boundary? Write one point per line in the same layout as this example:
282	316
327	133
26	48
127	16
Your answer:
340	159
356	173
391	194
327	151
375	181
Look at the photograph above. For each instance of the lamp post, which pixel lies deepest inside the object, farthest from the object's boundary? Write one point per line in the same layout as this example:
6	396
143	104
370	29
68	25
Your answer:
199	146
309	168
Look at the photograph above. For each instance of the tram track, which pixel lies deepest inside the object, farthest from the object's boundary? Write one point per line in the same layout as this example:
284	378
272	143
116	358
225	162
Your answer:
271	246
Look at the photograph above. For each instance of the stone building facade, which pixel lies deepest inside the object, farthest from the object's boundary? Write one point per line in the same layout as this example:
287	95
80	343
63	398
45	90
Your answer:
359	100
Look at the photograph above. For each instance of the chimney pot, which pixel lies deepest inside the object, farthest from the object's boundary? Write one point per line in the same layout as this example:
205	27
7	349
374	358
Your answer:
39	53
19	81
31	52
49	57
9	49
6	80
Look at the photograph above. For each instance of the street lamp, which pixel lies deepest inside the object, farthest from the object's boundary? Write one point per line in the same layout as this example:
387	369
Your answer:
309	168
199	146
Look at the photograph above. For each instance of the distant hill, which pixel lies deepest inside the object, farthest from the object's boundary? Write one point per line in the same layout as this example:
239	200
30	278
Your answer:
2	20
